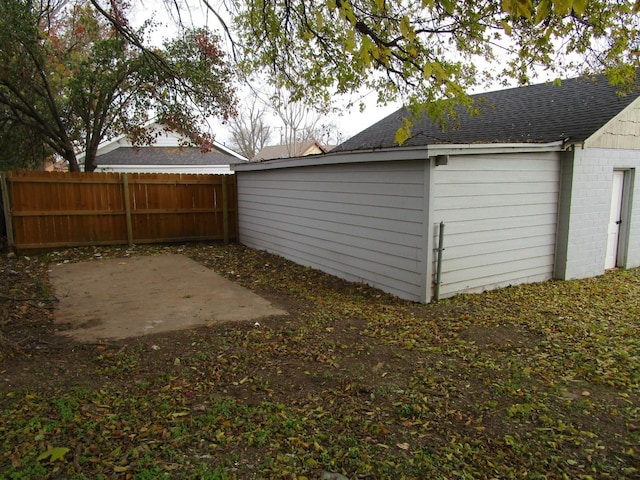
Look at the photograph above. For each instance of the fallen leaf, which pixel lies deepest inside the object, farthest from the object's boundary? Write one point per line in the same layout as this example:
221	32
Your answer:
53	454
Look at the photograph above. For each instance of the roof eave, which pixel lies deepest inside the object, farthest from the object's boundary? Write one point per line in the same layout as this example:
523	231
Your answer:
398	154
485	148
227	150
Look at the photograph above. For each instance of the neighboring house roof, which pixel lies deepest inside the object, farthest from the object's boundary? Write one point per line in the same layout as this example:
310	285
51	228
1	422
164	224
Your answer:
166	151
543	113
166	156
299	149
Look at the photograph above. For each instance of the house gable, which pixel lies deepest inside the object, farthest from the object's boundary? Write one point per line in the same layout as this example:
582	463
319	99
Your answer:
623	131
167	154
164	139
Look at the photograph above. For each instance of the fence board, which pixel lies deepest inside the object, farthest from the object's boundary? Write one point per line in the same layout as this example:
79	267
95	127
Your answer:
58	209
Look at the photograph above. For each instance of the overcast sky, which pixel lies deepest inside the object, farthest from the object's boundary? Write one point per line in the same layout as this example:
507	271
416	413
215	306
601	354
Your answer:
349	122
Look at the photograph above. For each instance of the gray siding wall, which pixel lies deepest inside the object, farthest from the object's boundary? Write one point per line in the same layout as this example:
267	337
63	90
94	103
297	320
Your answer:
590	208
361	222
500	214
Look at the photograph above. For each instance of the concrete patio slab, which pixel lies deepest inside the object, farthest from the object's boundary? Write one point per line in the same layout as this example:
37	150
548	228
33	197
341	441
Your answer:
129	297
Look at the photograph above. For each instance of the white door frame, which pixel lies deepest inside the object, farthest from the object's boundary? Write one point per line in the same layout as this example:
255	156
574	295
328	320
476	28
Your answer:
618	227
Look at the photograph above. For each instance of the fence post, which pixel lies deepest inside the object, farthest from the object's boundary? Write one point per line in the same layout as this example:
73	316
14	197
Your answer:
127	208
236	209
225	209
6	205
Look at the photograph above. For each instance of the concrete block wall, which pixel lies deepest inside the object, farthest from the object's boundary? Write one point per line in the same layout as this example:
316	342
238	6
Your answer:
590	208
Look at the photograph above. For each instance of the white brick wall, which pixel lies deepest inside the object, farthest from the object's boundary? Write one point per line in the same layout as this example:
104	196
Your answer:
590	207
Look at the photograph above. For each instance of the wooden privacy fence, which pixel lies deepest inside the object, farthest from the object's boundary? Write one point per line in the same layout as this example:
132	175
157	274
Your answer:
60	209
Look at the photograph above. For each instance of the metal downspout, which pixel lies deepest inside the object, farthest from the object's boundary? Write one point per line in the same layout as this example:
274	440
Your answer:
440	249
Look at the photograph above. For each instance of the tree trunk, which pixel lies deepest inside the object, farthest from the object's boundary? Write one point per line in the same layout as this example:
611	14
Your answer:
90	157
70	157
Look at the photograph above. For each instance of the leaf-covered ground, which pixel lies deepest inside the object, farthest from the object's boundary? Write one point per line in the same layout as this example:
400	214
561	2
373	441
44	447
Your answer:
535	381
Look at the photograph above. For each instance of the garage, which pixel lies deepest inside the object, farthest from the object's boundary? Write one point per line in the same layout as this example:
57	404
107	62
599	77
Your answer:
523	192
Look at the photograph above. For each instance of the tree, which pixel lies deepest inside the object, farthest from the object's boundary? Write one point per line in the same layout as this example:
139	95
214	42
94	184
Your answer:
75	73
18	149
249	129
299	123
430	53
296	123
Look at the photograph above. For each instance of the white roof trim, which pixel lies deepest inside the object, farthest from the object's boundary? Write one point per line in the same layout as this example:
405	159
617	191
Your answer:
398	154
187	169
480	148
227	150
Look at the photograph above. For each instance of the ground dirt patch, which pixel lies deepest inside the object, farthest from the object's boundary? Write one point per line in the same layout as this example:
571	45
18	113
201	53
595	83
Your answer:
501	336
535	381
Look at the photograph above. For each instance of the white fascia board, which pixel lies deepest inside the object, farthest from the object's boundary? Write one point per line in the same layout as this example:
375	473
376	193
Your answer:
188	169
494	148
227	150
357	156
110	145
398	154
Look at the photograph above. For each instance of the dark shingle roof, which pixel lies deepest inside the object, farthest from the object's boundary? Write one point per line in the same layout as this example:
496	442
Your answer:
542	113
165	156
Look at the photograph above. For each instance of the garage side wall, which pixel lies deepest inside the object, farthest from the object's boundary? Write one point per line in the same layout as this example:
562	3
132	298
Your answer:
500	214
362	222
590	210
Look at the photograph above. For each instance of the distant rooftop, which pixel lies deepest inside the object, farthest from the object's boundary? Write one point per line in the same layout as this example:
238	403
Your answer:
166	156
299	149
